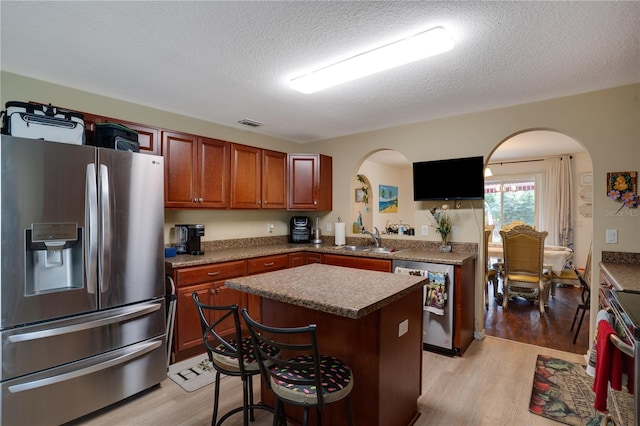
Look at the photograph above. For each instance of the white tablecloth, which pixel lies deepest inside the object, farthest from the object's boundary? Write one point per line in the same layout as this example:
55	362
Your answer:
554	256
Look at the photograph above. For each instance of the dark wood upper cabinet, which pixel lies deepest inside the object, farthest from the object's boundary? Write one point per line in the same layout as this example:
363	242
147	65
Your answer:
258	178
310	182
148	136
274	180
196	171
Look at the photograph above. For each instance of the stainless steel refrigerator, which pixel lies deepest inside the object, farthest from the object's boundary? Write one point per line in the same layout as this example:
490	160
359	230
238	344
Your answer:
82	308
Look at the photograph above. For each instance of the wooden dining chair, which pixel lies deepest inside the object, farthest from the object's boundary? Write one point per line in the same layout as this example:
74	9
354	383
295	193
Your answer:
585	297
490	274
523	265
509	226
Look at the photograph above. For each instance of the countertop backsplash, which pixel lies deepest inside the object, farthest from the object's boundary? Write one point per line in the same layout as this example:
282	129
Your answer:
350	240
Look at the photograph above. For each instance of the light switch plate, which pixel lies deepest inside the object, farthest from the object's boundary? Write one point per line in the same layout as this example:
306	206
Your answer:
425	230
328	226
612	236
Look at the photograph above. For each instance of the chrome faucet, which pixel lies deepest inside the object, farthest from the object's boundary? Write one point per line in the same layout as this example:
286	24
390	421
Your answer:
376	236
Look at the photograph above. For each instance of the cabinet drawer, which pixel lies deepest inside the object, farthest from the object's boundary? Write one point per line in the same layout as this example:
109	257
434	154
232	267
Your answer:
357	262
213	272
268	263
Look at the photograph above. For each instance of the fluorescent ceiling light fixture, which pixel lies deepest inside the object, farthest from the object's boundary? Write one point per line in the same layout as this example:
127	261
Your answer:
419	46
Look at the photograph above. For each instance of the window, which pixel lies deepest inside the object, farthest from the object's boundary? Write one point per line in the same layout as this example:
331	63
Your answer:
508	200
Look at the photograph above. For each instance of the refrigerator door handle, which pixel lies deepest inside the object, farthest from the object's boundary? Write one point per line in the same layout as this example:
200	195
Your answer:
139	350
127	315
105	248
91	224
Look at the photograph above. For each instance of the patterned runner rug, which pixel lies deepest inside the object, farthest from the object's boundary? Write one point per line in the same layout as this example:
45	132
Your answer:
193	373
562	391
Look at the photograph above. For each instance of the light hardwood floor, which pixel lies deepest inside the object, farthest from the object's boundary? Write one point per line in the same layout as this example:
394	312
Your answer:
489	385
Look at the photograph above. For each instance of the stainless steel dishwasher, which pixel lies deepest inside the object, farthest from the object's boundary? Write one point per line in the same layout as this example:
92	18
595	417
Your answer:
437	331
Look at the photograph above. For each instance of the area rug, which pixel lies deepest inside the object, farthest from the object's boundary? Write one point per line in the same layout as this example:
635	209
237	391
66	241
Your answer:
193	373
562	391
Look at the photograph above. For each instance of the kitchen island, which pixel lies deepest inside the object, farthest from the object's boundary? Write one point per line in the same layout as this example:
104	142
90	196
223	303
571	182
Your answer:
371	320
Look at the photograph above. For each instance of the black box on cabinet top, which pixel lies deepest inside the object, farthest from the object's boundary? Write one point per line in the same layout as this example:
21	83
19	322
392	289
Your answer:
116	136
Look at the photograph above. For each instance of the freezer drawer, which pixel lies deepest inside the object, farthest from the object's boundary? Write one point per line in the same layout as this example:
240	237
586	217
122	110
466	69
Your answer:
67	392
37	347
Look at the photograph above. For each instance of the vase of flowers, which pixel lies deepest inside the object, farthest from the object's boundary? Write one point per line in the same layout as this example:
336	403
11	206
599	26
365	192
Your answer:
443	228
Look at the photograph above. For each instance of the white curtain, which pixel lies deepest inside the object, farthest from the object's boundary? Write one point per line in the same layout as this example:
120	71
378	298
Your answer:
557	206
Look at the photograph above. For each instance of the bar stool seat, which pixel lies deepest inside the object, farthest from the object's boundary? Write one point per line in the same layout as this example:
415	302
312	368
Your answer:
231	356
302	376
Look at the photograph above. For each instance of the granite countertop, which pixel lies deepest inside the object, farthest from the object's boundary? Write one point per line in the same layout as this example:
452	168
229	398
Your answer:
238	253
321	287
624	276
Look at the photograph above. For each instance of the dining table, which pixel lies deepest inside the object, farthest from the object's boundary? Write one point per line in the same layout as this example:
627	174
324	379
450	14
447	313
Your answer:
555	257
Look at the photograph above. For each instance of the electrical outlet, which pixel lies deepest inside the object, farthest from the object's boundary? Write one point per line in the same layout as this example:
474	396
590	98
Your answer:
403	327
425	229
612	236
270	228
328	226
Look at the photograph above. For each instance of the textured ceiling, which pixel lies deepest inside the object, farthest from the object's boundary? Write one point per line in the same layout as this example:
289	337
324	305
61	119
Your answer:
225	61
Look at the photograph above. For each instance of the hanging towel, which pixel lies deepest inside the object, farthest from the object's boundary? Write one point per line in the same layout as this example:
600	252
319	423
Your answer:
436	299
611	363
592	356
408	271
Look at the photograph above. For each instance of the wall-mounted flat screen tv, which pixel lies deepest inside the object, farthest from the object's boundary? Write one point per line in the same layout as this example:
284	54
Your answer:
452	179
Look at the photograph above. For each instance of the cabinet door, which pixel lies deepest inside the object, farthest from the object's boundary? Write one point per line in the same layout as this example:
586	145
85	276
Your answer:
274	180
325	183
246	174
179	152
213	173
303	181
225	297
148	137
297	259
188	329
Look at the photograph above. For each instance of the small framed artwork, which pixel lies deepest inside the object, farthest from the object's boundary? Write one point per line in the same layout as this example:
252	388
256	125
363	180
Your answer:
359	196
388	199
623	182
586	179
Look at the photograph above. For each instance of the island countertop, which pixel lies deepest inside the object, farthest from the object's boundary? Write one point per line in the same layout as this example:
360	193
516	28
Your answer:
347	292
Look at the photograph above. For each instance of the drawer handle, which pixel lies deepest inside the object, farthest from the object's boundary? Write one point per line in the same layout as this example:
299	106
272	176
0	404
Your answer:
269	264
211	274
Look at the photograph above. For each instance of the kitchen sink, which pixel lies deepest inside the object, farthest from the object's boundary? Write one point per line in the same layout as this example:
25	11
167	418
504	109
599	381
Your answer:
354	248
370	249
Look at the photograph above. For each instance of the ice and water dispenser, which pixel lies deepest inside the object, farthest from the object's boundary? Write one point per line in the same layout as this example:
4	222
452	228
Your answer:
53	257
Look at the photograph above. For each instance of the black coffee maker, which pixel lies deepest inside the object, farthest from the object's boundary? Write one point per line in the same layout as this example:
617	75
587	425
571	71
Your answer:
194	233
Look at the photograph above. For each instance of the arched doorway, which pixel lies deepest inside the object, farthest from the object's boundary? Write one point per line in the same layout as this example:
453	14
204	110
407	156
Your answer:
524	157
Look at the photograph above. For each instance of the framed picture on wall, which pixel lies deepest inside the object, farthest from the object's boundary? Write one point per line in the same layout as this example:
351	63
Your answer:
388	199
359	196
622	182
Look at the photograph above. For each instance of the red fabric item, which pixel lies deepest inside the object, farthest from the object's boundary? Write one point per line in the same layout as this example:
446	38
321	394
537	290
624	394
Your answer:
611	363
603	365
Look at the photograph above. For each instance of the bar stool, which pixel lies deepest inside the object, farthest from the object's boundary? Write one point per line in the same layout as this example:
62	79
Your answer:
231	357
295	380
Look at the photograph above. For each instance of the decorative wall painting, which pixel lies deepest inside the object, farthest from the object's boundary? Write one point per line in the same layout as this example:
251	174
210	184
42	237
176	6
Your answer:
388	199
